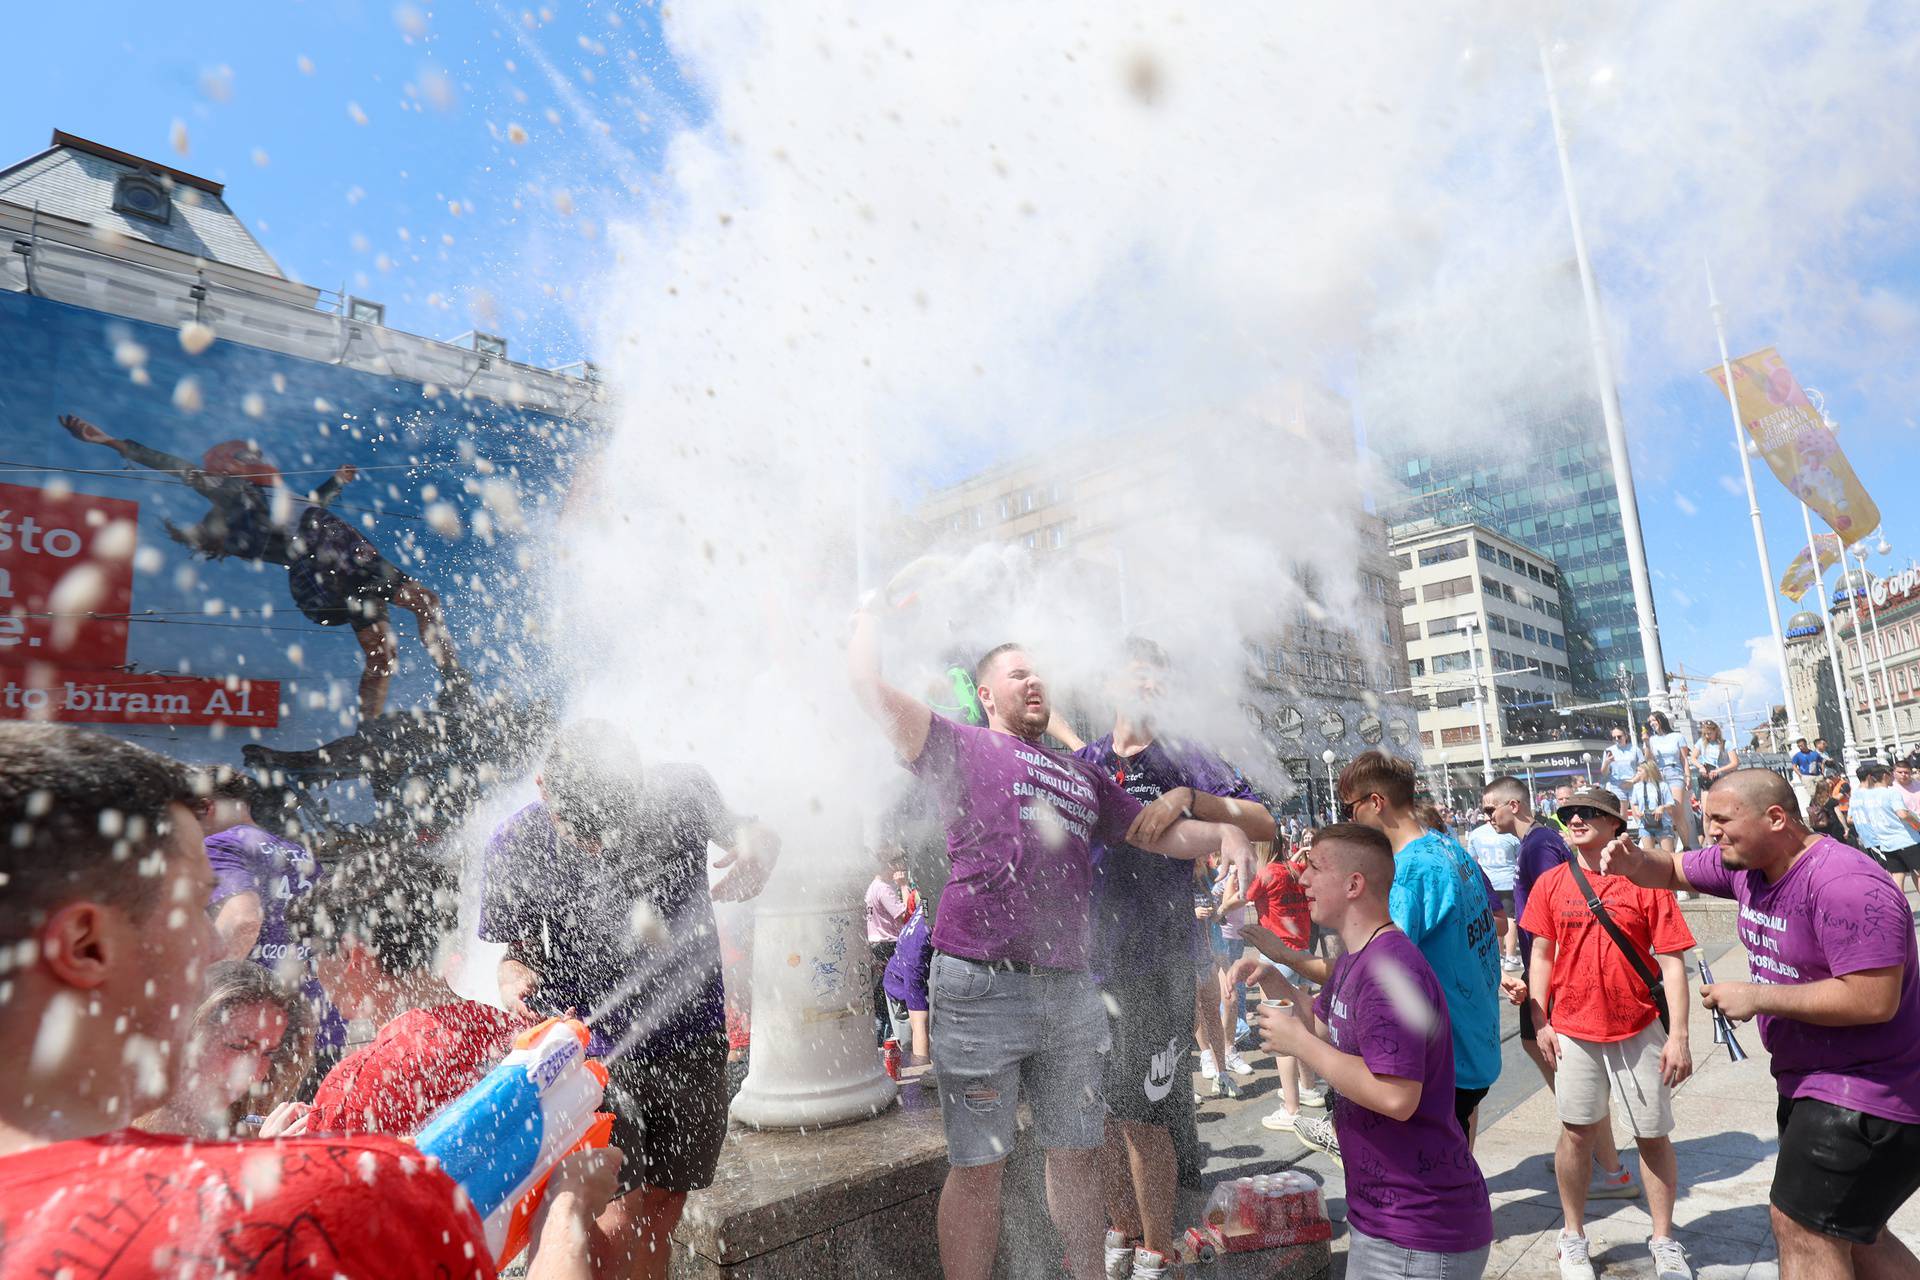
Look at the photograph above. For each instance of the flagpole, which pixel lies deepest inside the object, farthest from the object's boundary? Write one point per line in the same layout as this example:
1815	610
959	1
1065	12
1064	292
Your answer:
1753	504
1637	574
1860	646
1850	749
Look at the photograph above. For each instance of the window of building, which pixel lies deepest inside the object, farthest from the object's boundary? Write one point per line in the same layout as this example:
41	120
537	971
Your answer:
979	517
1444	552
1006	508
1559	641
1056	536
1404	560
1443	663
1486	551
1496	623
1506	593
1553	611
1449	589
1410	631
1533	571
1528	632
1026	500
1452	698
1459	734
1548	580
143	197
1444	627
1491	587
1506	561
1030	541
1416	666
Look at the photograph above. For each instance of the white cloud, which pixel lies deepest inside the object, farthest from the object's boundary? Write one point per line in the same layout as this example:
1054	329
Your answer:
1755	689
1731	483
1685	504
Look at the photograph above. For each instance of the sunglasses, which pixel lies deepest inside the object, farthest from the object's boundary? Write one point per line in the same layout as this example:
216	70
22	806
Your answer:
1582	813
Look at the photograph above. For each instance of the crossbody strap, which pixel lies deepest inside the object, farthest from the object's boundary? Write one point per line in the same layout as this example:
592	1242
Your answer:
1655	987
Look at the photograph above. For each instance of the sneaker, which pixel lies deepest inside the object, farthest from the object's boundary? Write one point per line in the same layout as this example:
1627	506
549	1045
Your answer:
1207	1070
1669	1259
1238	1065
1511	963
1574	1262
1280	1118
1227	1087
1120	1254
1313	1098
1613	1186
1317	1132
1148	1265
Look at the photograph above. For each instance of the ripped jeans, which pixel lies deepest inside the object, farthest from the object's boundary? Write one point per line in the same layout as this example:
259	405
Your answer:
999	1034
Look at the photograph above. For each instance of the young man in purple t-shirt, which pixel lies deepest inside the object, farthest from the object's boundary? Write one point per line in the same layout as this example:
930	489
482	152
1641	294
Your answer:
1014	1007
1379	1035
1143	939
1830	946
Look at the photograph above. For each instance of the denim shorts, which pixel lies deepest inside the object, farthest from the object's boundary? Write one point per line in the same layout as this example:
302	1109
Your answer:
1000	1034
1378	1259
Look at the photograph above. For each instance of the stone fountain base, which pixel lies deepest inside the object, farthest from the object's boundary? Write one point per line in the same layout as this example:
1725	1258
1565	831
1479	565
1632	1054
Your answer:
858	1202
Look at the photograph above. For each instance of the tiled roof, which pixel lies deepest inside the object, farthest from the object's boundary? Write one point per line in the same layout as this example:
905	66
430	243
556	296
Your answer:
75	179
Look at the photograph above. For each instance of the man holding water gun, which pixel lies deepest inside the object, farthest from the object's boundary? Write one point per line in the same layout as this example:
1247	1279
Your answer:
112	940
1830	945
600	893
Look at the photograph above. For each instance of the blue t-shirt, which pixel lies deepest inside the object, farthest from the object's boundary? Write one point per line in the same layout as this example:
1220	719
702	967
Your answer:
1808	762
1143	902
1439	901
1877	815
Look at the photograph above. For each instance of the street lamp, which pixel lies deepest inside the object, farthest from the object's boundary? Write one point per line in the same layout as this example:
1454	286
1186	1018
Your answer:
1333	795
1470	623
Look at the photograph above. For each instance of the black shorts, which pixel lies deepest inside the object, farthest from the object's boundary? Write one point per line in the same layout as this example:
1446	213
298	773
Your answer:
1897	861
1152	1024
670	1115
1843	1173
1465	1100
1527	1031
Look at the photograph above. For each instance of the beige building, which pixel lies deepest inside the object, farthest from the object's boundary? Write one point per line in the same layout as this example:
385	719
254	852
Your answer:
1485	629
1885	701
1314	686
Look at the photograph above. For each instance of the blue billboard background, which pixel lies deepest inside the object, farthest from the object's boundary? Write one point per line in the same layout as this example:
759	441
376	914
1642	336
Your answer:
460	495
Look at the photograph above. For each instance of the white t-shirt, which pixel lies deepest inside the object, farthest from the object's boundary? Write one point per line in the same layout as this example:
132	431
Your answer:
1711	754
1666	749
1497	854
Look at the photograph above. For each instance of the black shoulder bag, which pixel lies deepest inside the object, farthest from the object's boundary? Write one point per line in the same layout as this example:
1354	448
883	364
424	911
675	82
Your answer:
1647	973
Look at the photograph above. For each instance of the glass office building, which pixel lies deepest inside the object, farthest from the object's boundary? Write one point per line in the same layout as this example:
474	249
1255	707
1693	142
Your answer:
1555	493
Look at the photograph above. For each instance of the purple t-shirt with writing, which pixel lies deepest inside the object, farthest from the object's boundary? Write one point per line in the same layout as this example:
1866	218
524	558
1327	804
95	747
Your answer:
1142	902
1541	850
248	859
1834	912
1411	1182
1021	824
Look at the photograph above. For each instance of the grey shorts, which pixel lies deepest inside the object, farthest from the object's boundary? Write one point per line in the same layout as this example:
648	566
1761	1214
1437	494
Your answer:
1378	1259
1592	1072
1000	1034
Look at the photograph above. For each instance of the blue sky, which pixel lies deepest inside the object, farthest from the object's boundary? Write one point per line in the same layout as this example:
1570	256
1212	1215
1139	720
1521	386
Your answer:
376	147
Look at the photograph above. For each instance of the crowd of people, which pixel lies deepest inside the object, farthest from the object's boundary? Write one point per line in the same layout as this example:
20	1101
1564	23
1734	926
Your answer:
179	983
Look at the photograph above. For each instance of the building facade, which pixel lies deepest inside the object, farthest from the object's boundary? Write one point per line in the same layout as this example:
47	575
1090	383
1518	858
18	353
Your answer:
1810	676
1884	619
1488	656
194	424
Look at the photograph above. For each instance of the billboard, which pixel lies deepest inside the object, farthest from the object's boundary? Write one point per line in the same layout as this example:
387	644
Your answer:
221	548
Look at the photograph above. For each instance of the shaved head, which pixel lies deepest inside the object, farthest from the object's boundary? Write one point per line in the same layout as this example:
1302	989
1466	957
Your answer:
1505	787
1348	848
1758	790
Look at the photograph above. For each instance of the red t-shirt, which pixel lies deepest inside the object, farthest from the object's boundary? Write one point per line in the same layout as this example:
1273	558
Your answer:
1595	994
1276	894
129	1205
417	1064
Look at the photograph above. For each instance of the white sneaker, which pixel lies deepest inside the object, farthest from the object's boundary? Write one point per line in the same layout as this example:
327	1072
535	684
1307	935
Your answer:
1613	1186
1280	1118
1318	1132
1119	1257
1574	1262
1238	1065
1207	1070
1669	1259
1148	1265
1313	1098
1511	963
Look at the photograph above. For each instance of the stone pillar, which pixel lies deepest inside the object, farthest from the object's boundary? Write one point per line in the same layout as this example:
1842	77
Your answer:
814	1062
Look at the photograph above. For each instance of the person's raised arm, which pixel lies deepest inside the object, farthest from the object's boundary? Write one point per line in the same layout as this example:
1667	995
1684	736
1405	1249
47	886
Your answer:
1649	868
1251	817
1190	839
904	719
1063	732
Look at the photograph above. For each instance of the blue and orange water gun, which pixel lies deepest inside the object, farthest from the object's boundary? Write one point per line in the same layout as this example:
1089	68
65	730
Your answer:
500	1139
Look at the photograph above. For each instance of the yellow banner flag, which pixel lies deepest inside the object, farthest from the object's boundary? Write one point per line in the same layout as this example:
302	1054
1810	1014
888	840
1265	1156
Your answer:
1797	444
1799	578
